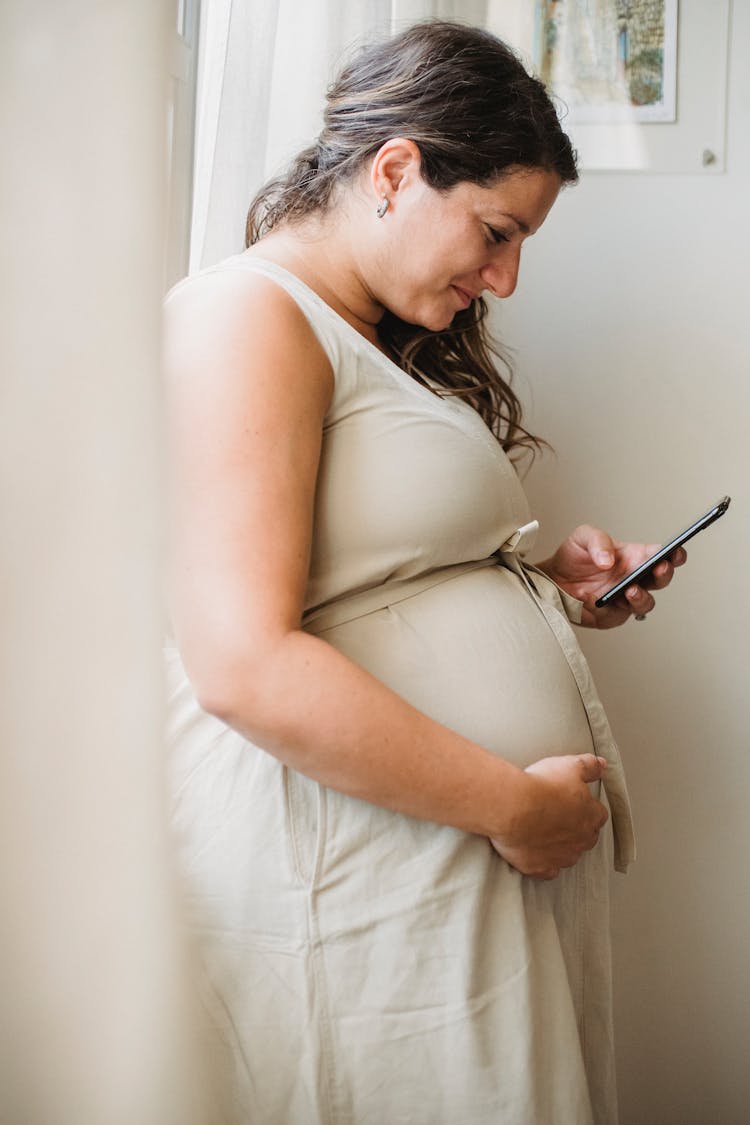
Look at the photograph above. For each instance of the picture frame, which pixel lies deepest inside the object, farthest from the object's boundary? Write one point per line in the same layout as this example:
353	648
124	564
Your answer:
682	130
611	60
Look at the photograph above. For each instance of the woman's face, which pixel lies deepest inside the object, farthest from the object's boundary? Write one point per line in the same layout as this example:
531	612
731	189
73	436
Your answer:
440	250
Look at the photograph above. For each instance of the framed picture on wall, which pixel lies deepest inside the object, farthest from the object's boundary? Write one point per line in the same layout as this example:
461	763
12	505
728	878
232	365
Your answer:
609	60
641	85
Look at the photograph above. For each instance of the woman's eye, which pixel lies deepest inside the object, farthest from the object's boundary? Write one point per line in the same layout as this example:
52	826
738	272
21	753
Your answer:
496	235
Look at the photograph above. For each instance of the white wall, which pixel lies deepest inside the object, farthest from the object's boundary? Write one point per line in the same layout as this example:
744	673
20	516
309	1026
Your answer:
631	324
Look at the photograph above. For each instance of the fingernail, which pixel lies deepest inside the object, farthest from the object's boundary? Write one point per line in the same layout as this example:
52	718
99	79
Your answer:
631	592
606	558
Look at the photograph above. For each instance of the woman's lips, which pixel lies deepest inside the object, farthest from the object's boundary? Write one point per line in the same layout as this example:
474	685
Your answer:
465	298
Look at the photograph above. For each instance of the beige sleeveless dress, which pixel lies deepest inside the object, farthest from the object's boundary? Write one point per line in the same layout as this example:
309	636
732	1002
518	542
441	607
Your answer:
364	967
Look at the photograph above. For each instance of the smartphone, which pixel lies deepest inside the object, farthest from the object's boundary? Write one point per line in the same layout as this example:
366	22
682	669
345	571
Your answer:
664	552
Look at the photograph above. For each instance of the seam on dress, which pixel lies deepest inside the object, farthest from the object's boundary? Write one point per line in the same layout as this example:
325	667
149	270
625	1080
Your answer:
325	1022
308	875
289	783
307	861
582	913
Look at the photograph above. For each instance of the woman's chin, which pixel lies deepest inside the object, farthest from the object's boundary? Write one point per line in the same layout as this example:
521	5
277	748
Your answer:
433	319
439	322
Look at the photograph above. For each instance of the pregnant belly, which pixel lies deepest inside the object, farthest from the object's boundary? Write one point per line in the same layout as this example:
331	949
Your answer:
476	654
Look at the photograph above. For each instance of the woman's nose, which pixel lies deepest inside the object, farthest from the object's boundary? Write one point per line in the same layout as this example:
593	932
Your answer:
500	275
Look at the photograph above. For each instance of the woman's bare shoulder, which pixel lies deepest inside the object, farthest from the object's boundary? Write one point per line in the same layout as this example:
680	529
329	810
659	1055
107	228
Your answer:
232	320
229	294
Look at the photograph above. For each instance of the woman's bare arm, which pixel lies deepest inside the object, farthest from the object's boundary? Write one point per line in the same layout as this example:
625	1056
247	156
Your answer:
248	387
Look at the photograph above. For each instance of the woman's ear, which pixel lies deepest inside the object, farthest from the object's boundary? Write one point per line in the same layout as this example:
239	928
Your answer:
395	165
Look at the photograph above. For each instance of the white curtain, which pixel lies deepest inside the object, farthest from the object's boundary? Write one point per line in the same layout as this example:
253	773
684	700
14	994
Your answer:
264	67
94	1023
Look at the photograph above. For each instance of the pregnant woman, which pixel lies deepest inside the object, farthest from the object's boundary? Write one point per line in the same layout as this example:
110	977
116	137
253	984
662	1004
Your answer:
396	794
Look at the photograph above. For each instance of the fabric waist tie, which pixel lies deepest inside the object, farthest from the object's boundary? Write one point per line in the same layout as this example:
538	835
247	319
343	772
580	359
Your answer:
349	608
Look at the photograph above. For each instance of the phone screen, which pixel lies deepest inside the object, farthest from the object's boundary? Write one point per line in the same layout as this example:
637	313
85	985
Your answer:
664	552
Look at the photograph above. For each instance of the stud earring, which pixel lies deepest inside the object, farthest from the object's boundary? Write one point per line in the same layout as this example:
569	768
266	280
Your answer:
382	207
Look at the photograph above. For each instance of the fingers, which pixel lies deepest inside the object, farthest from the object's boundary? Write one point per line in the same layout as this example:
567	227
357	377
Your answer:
640	602
553	868
638	598
537	863
566	818
592	768
600	546
663	573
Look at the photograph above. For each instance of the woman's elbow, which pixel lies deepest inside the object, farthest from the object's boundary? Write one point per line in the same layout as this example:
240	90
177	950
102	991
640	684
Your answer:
237	688
224	693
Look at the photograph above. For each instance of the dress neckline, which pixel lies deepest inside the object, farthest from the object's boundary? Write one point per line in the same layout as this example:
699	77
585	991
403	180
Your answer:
447	406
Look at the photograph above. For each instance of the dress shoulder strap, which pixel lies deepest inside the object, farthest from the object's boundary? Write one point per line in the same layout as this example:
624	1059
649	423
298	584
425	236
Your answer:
321	318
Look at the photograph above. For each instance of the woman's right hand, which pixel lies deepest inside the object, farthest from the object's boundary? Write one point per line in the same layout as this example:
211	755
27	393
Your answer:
559	819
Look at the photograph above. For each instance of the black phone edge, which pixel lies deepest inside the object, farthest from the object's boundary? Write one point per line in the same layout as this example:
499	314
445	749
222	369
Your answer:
664	552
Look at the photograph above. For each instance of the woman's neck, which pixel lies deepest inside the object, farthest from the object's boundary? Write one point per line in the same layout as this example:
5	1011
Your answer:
319	259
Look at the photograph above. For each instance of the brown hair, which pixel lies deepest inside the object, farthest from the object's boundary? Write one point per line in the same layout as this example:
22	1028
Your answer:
475	114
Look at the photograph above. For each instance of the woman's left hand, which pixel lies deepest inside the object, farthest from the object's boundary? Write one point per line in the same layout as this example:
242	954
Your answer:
590	562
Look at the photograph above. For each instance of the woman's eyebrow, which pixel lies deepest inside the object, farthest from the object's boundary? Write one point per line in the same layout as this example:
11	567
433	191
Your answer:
522	226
